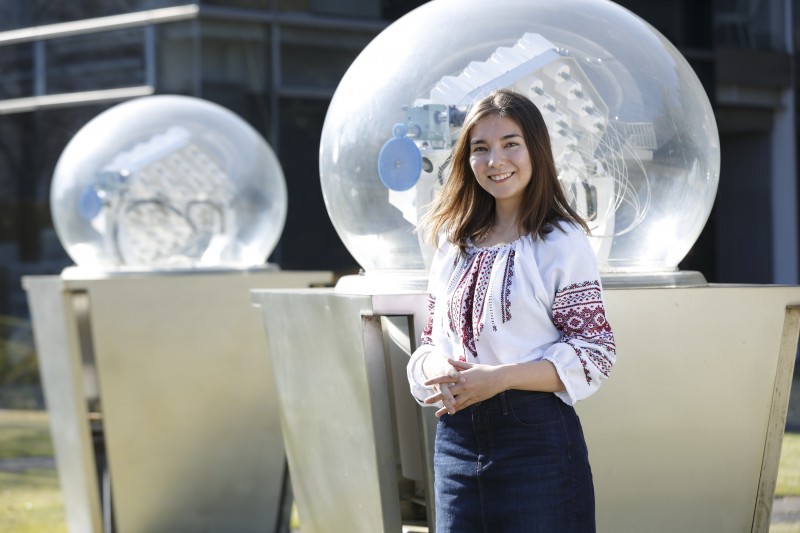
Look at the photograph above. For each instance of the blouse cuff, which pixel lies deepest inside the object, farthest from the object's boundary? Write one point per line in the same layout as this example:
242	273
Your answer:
571	372
416	376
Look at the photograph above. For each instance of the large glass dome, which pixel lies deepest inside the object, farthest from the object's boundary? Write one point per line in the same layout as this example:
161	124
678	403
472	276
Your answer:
633	132
167	181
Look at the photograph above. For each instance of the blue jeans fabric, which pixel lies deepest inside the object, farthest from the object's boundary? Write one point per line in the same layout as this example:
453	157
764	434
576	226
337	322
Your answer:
516	463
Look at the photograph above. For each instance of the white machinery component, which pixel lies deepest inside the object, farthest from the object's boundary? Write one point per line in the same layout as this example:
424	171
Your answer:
165	201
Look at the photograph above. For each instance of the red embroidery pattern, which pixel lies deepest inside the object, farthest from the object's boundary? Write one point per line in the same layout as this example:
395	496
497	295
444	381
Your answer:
505	298
428	330
466	306
580	317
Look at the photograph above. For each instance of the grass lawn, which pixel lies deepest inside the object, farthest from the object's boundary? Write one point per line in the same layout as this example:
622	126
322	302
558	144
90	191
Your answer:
30	500
789	469
788	479
792	527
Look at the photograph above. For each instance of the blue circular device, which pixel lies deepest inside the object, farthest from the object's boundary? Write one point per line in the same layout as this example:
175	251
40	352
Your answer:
399	161
89	203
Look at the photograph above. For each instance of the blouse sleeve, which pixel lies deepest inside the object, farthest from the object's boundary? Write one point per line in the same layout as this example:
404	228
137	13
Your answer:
414	370
586	351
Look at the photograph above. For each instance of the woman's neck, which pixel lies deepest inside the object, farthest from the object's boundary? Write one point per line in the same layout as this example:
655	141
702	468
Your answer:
504	229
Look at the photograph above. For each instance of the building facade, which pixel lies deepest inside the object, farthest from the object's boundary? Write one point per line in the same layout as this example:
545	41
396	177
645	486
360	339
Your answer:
276	63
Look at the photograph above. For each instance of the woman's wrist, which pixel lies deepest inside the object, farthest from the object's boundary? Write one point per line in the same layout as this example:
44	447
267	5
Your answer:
534	375
507	376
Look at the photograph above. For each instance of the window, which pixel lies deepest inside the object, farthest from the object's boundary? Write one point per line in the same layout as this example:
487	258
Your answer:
95	61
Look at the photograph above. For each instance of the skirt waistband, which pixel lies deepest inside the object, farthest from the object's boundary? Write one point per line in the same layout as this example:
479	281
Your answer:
501	401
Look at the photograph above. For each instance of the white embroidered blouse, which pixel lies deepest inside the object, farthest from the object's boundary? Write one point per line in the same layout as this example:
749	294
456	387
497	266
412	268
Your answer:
531	299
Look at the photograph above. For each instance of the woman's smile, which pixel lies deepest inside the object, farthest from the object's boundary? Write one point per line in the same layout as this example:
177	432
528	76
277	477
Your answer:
498	178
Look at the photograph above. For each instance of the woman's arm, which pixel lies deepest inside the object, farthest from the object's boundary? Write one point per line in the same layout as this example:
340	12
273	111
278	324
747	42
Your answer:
586	350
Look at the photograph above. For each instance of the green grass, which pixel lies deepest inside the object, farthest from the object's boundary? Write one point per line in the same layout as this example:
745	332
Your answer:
792	527
24	434
789	468
30	500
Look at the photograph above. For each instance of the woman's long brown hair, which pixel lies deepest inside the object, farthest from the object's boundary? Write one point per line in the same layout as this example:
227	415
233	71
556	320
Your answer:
463	210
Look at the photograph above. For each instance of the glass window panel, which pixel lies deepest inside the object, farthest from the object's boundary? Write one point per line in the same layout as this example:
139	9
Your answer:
318	58
175	53
293	5
11	15
96	61
750	24
16	70
236	54
347	8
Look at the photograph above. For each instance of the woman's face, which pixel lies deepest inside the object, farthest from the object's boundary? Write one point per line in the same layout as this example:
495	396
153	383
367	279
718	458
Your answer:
500	160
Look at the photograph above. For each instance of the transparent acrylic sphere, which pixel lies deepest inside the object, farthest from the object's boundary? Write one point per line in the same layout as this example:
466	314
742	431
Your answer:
168	181
632	129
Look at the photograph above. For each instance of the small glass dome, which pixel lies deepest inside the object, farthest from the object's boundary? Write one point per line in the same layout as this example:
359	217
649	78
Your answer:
633	132
165	181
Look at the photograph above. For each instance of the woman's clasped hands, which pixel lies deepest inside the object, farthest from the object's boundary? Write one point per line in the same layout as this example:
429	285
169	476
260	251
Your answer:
460	384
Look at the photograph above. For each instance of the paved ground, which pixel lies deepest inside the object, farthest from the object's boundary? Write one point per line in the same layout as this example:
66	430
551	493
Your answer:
786	510
20	464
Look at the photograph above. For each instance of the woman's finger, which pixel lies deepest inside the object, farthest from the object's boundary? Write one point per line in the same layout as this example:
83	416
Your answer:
448	379
447	395
460	365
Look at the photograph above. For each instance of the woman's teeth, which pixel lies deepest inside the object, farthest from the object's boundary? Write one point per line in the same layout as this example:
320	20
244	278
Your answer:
500	177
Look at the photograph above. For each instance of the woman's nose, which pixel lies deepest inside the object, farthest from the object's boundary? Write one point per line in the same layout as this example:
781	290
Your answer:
495	158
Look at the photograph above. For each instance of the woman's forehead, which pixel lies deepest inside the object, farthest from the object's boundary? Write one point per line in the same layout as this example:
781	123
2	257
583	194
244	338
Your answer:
493	126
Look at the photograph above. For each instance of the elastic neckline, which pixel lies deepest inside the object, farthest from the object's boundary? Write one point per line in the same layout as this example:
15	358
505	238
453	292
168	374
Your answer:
472	246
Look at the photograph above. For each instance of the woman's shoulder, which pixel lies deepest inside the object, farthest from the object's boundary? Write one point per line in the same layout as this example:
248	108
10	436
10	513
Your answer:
564	233
444	246
444	253
566	242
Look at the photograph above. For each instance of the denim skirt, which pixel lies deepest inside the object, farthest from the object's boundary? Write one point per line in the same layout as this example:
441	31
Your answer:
516	463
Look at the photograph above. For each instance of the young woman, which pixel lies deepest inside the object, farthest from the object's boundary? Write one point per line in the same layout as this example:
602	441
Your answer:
517	333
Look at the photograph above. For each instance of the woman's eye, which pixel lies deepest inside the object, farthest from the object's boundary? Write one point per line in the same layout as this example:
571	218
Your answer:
478	149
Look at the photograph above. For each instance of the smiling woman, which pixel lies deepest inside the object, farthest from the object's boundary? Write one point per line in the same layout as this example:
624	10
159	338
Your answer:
517	332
